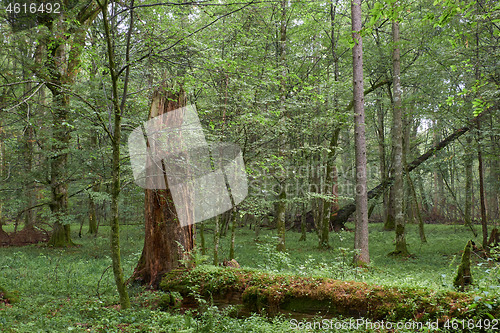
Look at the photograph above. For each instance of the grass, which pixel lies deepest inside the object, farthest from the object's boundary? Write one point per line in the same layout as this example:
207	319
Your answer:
73	289
433	264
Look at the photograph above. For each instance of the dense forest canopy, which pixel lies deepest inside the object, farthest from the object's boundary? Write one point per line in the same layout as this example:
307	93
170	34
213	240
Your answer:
274	77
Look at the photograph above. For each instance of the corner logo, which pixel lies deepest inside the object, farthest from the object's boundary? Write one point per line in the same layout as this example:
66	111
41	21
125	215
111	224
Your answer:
170	151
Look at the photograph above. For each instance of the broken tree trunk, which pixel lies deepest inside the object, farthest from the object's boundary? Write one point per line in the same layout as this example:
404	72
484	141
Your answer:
341	216
166	241
464	276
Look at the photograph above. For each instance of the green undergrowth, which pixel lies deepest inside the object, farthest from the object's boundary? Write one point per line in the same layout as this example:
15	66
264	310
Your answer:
72	289
432	265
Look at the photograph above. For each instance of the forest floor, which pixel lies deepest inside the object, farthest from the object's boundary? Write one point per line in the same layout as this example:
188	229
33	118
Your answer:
72	289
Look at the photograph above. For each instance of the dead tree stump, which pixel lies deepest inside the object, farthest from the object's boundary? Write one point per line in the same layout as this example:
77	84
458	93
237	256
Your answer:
464	276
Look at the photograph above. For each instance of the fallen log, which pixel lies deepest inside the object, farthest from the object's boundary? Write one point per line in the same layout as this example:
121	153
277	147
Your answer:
339	218
306	297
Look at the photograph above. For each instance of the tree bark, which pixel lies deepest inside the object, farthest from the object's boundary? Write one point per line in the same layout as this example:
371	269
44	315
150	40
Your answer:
166	241
382	162
361	234
482	199
216	239
397	142
281	211
331	180
468	182
62	64
234	217
115	167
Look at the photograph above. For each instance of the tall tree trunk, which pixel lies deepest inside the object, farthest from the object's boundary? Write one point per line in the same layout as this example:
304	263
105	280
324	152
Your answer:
166	241
494	206
115	165
234	218
61	234
382	162
482	199
361	234
280	214
64	49
390	217
29	220
331	205
468	182
202	239
281	219
397	141
330	185
216	239
2	167
303	231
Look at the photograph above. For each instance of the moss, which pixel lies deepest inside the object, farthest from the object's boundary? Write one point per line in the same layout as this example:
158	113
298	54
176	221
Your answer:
170	300
311	306
61	236
254	299
464	277
272	294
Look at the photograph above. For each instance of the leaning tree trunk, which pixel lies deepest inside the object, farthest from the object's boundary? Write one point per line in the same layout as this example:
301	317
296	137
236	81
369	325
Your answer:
341	216
166	242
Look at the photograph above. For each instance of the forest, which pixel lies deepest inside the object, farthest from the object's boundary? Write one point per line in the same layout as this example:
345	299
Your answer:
250	166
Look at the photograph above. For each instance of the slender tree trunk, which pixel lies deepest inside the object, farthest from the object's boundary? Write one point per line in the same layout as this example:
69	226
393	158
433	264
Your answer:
494	206
361	234
331	184
28	139
416	209
216	240
92	206
303	230
2	168
280	214
390	217
115	167
468	182
382	162
482	199
202	239
331	205
234	219
397	141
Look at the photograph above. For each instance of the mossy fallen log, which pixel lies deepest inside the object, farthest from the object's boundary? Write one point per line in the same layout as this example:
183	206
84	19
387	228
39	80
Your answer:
305	297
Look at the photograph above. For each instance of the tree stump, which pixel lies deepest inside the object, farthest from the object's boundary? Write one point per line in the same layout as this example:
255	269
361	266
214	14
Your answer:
464	276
